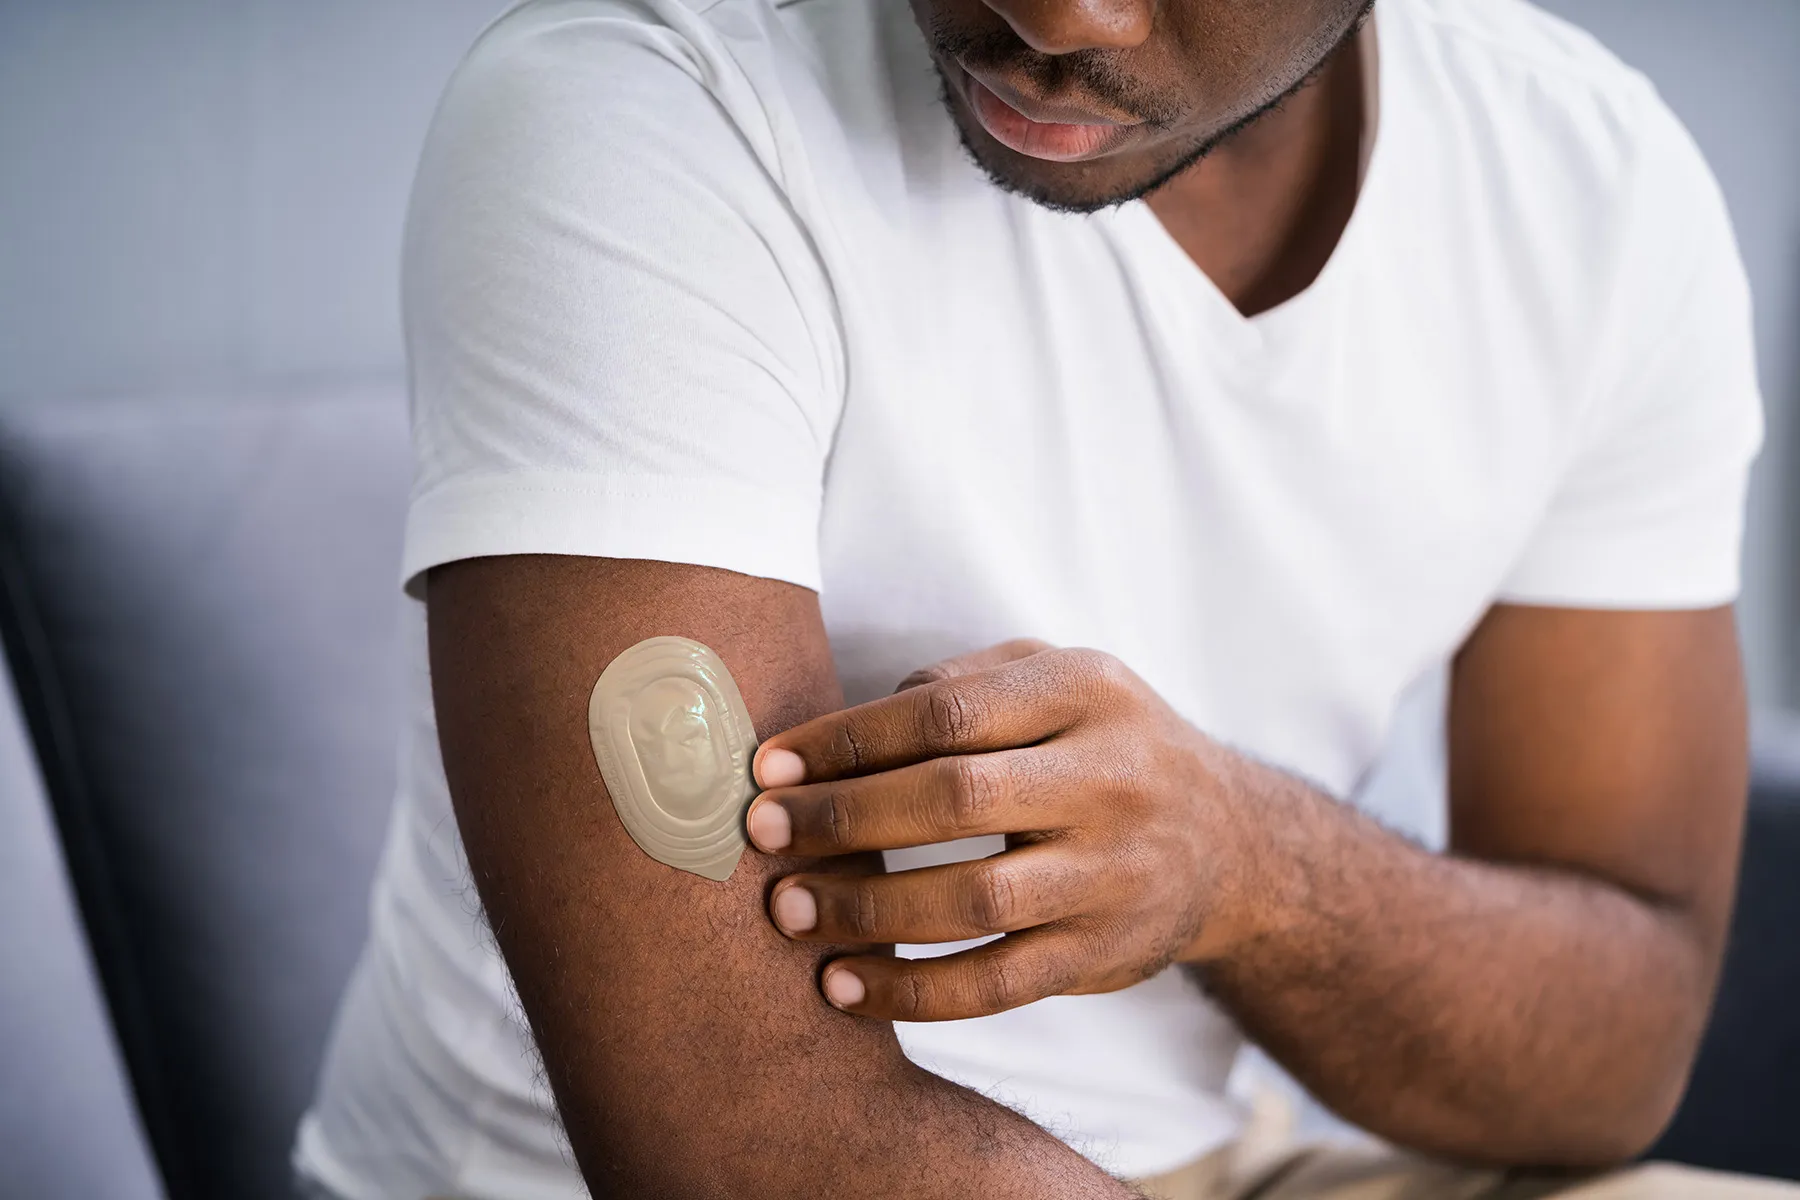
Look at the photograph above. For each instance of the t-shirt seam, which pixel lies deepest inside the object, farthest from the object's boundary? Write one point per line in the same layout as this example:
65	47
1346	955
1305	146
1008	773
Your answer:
781	173
828	346
1596	80
779	168
505	484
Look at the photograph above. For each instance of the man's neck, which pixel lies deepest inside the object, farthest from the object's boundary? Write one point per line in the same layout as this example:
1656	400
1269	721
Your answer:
1262	214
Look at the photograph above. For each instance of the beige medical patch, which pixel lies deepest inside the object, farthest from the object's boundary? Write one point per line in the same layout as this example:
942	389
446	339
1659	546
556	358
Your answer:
674	742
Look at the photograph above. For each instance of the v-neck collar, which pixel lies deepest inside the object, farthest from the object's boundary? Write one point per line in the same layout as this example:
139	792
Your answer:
1268	331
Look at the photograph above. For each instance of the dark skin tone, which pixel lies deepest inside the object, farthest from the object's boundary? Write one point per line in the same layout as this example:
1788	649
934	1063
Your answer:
1533	996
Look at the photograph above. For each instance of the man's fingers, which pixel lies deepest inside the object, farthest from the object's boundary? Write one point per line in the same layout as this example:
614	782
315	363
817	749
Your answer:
1018	889
1016	969
998	708
979	660
965	795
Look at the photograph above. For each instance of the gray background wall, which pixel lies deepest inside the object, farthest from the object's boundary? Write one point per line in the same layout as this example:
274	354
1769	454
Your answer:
209	192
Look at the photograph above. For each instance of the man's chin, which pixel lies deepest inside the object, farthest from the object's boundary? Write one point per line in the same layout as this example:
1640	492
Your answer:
1075	187
1083	186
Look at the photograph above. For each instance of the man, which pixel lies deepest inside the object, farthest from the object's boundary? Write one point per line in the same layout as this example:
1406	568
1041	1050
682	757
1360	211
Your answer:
1152	390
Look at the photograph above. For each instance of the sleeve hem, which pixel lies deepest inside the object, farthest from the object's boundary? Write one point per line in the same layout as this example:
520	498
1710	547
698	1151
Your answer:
752	531
1692	566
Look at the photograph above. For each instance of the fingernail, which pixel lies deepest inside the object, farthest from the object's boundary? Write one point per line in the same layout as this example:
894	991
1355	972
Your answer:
779	768
795	910
769	825
843	988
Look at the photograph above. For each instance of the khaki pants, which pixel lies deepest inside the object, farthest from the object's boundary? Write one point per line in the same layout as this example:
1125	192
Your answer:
1369	1173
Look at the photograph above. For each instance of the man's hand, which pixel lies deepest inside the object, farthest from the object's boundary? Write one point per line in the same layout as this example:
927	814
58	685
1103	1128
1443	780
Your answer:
1116	812
1533	996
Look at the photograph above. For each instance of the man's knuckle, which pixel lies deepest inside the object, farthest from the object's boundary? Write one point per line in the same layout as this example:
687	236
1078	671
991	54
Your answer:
993	898
1076	660
1101	944
1125	771
971	794
840	820
1061	979
951	717
1136	858
910	995
861	918
1108	672
1001	983
846	748
1077	669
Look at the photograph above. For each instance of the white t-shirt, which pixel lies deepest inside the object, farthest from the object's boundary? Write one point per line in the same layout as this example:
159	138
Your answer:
711	281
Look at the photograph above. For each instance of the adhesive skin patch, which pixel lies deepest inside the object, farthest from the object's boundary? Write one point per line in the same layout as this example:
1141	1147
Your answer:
674	743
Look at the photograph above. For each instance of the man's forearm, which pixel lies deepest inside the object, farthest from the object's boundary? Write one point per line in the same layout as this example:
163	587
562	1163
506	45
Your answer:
1508	1013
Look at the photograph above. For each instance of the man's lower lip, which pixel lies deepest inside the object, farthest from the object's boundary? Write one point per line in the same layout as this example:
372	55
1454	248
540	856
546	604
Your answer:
1038	139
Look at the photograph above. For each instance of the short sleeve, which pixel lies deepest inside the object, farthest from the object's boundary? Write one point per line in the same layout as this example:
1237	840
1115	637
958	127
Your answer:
1649	509
619	337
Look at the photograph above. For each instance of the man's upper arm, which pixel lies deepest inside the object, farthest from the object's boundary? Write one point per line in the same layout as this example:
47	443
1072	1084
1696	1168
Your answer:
1607	743
646	986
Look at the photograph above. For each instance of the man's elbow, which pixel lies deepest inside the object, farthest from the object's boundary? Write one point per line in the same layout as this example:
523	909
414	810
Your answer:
1605	1132
1609	1116
1639	1119
1584	1134
1649	1074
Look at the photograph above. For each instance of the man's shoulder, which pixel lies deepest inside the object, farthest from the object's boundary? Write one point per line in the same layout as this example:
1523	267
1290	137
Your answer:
597	37
793	81
703	39
1539	110
1518	42
1529	81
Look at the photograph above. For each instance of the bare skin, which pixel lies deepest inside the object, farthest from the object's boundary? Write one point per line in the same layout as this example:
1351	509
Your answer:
1533	997
648	988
